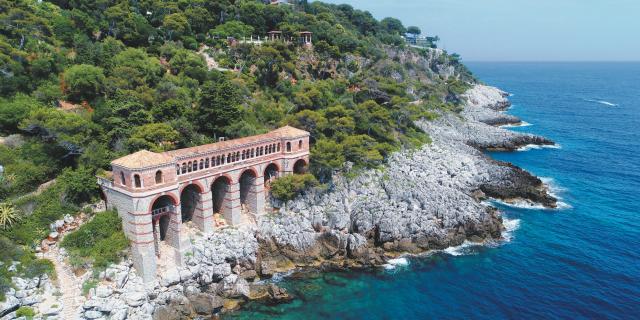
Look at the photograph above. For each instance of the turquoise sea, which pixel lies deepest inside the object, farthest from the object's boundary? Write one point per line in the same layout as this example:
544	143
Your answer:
579	262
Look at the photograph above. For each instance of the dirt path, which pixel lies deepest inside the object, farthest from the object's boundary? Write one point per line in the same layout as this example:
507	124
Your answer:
69	285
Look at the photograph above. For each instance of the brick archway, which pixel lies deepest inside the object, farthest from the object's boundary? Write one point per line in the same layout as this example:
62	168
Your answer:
190	196
300	166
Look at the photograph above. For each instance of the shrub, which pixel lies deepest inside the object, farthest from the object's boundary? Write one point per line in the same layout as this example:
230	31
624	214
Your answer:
288	187
100	241
79	185
27	312
88	285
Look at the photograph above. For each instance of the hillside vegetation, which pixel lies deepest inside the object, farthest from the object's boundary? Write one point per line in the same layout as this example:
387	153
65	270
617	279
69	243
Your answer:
84	82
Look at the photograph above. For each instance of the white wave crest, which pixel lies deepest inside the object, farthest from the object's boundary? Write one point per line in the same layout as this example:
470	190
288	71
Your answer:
279	276
516	125
510	226
556	191
394	263
464	249
536	146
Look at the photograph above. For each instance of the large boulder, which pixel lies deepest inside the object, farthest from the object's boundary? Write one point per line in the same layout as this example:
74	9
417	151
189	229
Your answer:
233	286
205	304
171	277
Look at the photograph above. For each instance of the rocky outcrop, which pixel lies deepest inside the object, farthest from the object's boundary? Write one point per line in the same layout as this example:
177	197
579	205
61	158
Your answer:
424	199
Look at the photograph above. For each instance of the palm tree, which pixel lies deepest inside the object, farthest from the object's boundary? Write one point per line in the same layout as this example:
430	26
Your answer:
8	215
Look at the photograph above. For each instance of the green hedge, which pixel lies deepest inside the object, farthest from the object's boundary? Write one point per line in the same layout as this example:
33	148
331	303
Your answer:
99	241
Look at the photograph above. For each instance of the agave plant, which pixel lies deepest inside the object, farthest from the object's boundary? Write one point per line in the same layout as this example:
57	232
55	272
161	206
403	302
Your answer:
8	215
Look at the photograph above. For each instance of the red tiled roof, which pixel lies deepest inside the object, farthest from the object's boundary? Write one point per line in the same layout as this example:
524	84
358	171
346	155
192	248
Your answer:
144	158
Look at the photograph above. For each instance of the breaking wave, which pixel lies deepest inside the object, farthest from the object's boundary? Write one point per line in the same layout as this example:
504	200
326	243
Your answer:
394	263
516	125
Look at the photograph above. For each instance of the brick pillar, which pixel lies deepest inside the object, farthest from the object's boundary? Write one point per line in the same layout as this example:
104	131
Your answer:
231	205
177	236
257	201
203	214
143	252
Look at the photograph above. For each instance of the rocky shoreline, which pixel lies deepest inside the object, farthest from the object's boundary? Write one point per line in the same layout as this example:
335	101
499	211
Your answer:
425	199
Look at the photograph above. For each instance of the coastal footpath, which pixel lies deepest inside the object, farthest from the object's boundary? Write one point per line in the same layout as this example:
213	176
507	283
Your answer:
425	199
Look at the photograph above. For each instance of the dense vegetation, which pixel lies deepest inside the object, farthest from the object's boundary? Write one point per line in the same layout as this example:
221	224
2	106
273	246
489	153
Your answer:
97	242
84	82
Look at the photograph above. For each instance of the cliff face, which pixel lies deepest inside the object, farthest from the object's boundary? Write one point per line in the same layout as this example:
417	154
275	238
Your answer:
424	199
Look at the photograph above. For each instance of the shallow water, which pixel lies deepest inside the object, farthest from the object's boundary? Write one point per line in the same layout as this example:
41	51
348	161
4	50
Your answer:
581	261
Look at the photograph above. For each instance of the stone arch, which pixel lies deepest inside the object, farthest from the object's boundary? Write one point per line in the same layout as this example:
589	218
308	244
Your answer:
219	193
161	209
300	166
190	196
271	172
248	192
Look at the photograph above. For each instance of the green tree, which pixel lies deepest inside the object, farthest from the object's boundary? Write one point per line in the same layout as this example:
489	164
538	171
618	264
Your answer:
190	64
176	25
232	28
15	110
326	157
156	137
362	151
84	82
219	106
415	31
393	26
79	185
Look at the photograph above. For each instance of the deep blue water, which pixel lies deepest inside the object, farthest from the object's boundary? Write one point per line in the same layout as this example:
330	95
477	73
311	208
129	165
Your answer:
579	262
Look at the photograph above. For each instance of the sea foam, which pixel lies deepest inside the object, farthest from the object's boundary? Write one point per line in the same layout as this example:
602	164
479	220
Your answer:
516	125
394	263
536	146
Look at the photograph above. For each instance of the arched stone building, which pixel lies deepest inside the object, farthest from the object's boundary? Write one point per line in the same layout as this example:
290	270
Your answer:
155	193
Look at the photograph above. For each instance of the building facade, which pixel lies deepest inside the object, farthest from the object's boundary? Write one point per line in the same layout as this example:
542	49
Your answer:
212	186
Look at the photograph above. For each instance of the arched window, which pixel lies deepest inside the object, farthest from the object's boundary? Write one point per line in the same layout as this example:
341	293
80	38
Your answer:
238	156
288	146
177	169
206	163
201	164
217	160
278	147
137	182
253	152
243	154
228	157
273	148
195	165
261	150
189	166
269	149
184	168
300	145
122	179
158	176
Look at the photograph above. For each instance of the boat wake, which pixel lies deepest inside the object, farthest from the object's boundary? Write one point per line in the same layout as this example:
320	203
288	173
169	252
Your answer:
603	102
